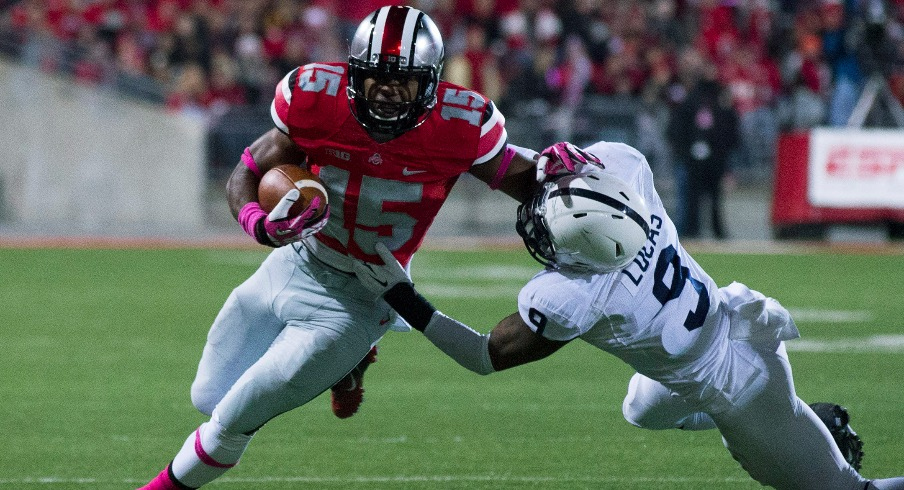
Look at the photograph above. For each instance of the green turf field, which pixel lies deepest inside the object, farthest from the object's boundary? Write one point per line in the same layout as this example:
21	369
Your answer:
99	348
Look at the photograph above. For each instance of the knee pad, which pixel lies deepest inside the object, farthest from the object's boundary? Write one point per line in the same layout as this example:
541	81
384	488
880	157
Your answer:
647	417
203	399
649	405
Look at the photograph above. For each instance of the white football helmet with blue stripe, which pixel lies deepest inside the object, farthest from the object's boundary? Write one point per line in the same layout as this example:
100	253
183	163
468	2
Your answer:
588	221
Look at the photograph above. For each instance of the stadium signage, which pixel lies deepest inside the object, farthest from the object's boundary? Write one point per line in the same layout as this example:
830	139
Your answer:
856	168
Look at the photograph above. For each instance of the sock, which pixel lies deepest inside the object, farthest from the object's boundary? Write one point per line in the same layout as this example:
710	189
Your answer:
208	453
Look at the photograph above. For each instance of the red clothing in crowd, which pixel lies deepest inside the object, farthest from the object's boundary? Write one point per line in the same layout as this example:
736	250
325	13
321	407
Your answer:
718	35
752	82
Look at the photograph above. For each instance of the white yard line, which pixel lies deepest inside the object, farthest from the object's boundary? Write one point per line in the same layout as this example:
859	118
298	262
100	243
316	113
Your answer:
435	290
488	272
876	343
244	258
506	282
830	316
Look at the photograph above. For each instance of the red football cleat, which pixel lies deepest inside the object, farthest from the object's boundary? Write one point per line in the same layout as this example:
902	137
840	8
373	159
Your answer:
346	395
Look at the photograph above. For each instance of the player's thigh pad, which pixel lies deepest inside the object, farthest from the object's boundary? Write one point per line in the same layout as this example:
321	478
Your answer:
650	405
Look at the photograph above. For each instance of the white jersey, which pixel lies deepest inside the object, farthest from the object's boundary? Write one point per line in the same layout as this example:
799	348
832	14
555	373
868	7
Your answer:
662	314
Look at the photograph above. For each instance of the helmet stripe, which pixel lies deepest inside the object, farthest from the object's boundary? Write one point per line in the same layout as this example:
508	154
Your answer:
391	30
408	36
376	41
608	201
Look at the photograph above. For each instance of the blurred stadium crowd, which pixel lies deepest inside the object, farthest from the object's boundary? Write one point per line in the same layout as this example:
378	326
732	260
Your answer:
784	64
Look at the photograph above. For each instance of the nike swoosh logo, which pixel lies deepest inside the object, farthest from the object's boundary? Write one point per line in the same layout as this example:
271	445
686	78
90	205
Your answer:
407	172
381	283
286	232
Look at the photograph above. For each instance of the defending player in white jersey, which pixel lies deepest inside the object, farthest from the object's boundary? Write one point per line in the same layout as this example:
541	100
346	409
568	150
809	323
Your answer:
618	278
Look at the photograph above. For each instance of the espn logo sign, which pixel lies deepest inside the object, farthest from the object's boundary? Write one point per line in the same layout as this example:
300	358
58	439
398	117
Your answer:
856	168
865	162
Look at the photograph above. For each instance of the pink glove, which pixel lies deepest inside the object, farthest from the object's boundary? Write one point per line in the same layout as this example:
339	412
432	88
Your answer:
277	229
563	159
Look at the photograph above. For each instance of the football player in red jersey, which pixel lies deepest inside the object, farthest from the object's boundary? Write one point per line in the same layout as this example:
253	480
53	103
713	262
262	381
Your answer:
388	139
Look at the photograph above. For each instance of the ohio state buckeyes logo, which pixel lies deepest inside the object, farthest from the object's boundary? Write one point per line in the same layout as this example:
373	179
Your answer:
375	159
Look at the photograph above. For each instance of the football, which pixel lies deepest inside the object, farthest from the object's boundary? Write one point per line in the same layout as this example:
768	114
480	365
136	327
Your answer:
282	179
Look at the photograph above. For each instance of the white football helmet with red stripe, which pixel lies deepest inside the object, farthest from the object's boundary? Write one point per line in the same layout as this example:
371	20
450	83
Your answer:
394	44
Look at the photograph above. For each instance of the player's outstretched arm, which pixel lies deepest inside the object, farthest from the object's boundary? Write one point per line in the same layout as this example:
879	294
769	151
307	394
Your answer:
511	343
520	172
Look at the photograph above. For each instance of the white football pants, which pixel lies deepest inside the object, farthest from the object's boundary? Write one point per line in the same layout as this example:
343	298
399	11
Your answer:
285	335
775	436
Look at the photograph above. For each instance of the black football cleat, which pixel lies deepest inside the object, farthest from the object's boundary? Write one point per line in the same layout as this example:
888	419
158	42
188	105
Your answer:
836	419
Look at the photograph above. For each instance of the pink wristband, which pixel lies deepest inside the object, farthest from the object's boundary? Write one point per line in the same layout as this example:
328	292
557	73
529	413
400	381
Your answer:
507	156
249	162
250	214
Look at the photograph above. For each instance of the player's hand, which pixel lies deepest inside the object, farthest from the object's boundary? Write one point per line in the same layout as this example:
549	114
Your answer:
563	159
381	278
282	229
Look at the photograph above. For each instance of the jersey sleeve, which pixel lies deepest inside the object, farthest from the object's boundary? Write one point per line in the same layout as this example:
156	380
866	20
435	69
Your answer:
279	109
550	306
492	134
308	97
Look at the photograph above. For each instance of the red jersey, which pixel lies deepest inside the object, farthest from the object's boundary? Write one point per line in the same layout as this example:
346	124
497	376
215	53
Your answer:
388	192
